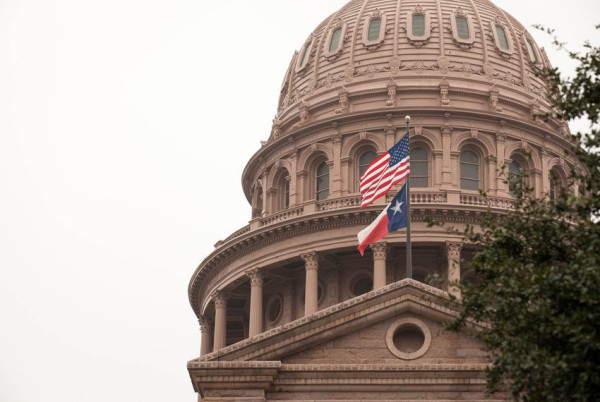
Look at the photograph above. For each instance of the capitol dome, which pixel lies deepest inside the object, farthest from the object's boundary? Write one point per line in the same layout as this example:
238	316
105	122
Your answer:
276	298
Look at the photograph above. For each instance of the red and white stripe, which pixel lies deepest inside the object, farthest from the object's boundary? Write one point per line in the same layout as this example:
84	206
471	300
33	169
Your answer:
380	177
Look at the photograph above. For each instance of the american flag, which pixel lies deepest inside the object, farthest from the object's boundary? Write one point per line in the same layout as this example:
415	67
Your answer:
390	168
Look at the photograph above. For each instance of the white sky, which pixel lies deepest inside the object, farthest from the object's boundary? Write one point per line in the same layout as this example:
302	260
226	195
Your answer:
124	129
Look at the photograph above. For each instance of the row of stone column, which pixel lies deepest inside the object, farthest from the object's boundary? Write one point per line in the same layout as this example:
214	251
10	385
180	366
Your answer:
218	327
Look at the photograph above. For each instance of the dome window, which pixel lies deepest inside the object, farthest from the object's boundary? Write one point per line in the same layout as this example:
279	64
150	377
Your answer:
374	30
335	40
364	161
533	54
286	193
322	181
418	26
502	39
515	178
419	168
462	27
304	55
469	170
463	31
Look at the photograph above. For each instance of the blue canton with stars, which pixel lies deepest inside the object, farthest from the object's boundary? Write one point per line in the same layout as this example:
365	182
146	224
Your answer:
399	151
396	211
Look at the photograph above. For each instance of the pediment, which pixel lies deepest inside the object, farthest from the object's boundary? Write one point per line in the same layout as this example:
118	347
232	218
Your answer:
353	321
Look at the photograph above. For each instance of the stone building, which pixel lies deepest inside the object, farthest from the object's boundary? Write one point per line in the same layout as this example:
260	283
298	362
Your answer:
288	308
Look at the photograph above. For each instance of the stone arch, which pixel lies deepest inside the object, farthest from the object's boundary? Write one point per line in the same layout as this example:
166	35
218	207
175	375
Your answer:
276	192
279	164
310	159
480	140
533	157
308	154
356	141
427	136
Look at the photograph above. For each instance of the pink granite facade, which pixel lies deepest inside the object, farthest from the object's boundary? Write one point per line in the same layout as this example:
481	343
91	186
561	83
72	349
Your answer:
288	309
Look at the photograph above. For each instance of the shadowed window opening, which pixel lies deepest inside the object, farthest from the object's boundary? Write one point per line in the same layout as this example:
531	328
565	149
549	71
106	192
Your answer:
322	190
469	170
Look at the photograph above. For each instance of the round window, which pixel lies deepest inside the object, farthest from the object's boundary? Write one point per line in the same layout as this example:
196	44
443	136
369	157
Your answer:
408	338
362	285
274	309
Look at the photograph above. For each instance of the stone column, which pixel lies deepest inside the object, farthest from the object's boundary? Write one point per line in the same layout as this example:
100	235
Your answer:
256	302
311	292
446	158
379	274
206	328
220	320
336	183
453	253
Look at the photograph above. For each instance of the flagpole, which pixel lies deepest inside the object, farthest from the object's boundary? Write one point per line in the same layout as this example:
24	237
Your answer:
408	245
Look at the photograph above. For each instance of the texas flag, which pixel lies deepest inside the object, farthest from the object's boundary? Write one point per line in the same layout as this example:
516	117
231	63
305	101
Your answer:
392	218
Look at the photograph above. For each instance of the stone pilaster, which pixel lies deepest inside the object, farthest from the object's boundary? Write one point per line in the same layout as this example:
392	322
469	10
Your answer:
220	336
453	253
256	301
379	258
311	293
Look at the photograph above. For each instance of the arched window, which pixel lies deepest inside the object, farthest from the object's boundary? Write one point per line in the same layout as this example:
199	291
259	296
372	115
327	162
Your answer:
364	161
334	42
469	170
322	181
515	178
286	194
418	25
462	28
419	168
304	55
374	29
502	39
553	187
531	50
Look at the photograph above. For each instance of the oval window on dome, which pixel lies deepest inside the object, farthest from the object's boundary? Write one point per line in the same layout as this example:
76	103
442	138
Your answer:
374	29
462	28
334	42
502	39
418	25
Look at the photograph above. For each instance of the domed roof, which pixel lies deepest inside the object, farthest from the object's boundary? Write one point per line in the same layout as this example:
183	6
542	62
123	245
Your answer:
464	45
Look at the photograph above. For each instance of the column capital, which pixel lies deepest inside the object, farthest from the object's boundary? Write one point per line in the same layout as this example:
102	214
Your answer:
379	250
311	259
256	276
220	298
206	324
453	249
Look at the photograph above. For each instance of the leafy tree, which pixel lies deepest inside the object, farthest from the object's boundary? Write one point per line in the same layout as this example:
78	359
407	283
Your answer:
537	276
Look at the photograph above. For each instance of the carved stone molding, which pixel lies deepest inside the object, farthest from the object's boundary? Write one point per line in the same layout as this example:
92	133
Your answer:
220	299
343	101
206	324
256	277
453	250
311	259
444	90
392	87
379	250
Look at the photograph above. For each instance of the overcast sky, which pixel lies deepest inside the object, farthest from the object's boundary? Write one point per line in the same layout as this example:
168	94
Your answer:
124	129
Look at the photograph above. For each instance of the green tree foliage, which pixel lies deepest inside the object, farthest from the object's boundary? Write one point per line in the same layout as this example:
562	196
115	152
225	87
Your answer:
537	276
